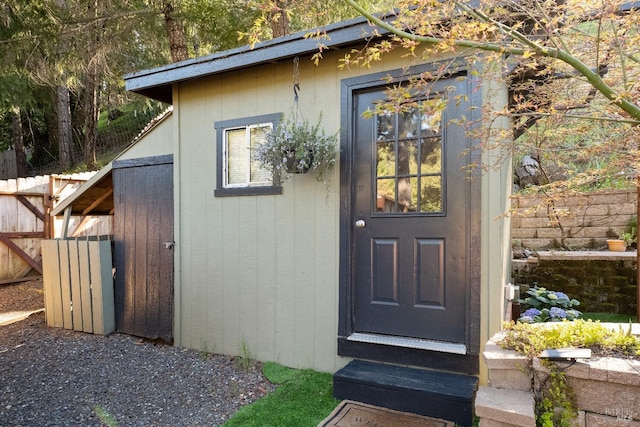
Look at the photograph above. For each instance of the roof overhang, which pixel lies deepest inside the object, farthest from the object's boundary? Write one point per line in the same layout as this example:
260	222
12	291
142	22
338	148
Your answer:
94	197
157	83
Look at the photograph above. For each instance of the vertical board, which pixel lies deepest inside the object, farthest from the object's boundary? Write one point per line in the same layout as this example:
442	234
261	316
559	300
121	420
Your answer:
102	286
8	165
165	260
74	278
65	284
84	271
51	283
152	216
126	277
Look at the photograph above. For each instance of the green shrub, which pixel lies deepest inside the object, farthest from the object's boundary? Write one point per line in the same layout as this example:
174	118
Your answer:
555	400
531	340
543	305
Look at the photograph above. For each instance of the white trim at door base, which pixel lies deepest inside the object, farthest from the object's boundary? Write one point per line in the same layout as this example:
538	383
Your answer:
445	347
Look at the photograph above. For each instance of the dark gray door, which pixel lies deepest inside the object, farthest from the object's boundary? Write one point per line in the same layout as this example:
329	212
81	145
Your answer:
143	235
410	218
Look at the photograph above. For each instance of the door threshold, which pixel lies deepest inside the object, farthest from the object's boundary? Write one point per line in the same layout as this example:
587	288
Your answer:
421	344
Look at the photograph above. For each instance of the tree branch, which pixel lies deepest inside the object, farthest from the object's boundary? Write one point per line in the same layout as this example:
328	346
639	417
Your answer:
592	77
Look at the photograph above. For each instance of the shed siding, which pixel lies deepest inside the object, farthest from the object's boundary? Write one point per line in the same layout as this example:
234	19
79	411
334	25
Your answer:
156	142
259	274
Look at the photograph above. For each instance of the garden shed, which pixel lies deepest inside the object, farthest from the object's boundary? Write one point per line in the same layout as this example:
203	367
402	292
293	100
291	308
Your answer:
353	278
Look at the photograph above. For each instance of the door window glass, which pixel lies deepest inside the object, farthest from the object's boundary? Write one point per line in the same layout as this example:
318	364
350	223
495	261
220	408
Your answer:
409	158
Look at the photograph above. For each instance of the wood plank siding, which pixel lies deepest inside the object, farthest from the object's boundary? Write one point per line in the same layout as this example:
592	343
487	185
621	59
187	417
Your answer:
259	271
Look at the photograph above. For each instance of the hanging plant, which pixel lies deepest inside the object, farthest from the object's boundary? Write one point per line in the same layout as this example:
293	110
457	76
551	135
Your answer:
298	147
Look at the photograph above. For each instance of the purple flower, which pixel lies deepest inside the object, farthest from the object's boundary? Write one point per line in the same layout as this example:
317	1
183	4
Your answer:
532	312
526	319
561	295
557	313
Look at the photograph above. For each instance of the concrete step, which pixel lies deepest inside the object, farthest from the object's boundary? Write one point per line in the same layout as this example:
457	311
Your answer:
499	407
507	369
437	394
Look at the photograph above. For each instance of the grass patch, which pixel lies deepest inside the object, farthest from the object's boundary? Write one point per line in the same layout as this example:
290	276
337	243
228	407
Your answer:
278	374
105	416
303	398
609	317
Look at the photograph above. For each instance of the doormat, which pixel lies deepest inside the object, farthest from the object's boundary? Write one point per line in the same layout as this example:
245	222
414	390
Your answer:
355	414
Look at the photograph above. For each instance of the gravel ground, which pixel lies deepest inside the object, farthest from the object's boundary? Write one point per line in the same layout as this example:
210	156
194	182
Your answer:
57	377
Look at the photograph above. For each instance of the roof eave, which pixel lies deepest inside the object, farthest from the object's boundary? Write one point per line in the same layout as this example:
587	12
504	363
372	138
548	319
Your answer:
157	83
99	177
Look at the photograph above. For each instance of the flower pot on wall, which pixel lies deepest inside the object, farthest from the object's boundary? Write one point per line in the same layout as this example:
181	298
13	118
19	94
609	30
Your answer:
315	151
293	165
616	245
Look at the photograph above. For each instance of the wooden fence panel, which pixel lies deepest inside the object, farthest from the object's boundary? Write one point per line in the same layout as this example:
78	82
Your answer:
22	213
78	285
24	220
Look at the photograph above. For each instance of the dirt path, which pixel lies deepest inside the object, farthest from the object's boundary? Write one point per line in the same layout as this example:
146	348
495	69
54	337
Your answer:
22	296
57	377
19	300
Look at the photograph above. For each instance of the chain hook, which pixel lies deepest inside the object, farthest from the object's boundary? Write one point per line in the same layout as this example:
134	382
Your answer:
296	79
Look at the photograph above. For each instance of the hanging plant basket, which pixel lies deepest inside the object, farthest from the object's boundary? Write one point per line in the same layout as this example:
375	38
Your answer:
293	164
296	147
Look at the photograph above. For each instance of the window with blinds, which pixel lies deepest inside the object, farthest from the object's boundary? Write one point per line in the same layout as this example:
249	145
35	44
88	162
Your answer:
241	167
238	173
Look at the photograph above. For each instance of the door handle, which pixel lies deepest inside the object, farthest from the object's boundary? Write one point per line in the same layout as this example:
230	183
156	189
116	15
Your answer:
360	223
169	245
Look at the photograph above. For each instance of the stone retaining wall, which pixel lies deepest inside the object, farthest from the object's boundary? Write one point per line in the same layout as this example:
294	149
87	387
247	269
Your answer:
583	221
602	281
607	389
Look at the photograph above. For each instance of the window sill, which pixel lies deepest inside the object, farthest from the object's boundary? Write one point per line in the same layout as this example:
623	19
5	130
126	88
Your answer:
247	191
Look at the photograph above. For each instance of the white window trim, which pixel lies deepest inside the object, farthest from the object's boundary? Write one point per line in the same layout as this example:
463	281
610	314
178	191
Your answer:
225	156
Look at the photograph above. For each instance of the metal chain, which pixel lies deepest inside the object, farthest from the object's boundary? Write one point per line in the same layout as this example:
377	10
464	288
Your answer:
296	89
296	79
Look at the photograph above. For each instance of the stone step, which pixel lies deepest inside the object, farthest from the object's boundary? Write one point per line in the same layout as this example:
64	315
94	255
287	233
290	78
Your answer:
437	394
499	407
507	369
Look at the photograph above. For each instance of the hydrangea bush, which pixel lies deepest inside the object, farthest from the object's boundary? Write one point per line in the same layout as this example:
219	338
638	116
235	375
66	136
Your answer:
548	306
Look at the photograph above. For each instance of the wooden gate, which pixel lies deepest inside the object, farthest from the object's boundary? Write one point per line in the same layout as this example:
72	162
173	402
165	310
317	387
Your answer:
25	204
23	208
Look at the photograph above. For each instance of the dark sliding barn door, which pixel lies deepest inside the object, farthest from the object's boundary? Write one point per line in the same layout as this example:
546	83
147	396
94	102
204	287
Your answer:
143	234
